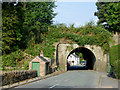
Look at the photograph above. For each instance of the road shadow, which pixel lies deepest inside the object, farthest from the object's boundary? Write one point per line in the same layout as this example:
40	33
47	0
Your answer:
77	68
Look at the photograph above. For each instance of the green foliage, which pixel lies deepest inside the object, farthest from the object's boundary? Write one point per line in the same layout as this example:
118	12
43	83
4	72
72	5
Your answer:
109	12
80	55
69	48
47	48
26	65
33	32
59	68
12	59
23	27
115	59
11	26
96	36
88	34
25	24
38	17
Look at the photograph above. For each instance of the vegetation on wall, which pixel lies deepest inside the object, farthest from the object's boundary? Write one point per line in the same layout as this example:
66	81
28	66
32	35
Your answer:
69	48
88	34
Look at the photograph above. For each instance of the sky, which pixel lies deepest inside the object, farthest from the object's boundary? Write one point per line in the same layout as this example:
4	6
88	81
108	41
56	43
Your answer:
75	12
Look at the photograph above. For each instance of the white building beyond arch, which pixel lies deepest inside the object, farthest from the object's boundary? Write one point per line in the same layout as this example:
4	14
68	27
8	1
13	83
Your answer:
73	59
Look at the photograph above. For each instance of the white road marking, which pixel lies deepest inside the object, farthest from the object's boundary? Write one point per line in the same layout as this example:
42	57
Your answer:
53	86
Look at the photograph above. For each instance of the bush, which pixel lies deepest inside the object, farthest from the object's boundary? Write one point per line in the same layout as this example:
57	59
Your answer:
115	59
47	48
17	76
12	59
26	65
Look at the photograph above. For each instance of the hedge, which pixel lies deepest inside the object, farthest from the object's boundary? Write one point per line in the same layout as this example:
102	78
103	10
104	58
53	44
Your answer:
16	76
115	59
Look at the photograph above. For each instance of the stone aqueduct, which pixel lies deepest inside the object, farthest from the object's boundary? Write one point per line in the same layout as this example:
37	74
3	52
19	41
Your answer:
96	59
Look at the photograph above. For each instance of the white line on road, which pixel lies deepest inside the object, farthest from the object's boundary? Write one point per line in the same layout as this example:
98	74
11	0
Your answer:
53	86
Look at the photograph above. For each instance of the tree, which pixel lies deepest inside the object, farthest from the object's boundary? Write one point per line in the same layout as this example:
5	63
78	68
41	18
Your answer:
80	55
38	17
25	23
108	15
11	27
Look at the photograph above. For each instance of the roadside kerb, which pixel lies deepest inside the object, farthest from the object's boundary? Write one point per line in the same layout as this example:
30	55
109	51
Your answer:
30	80
99	81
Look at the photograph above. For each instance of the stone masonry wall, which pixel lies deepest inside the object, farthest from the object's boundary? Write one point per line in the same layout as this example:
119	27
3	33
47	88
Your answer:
63	53
101	59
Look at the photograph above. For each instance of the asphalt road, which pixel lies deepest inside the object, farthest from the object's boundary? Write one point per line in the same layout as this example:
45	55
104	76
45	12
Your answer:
70	79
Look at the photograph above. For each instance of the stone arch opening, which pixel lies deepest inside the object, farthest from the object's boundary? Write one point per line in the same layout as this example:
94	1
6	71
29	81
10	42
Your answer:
88	55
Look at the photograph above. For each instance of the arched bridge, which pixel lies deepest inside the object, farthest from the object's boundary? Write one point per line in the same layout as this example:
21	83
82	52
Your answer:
94	55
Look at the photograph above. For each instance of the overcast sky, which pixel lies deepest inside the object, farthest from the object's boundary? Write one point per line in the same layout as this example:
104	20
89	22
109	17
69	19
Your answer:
78	13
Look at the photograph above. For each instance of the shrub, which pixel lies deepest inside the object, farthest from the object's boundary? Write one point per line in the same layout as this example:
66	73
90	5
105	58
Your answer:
12	58
115	59
59	68
26	65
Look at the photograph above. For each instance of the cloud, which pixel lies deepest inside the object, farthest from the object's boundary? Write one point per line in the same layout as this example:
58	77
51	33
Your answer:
96	20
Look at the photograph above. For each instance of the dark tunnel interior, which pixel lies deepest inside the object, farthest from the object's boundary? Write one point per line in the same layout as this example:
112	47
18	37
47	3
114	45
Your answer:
87	55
